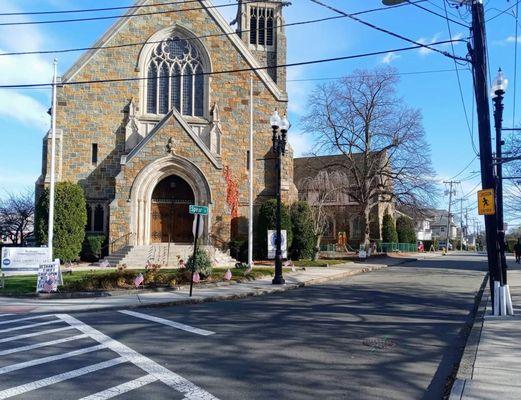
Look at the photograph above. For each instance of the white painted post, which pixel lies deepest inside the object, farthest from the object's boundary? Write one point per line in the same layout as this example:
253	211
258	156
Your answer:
497	295
50	234
502	301
510	308
250	165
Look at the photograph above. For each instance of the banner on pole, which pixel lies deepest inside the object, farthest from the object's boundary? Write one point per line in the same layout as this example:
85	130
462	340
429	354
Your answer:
23	260
272	244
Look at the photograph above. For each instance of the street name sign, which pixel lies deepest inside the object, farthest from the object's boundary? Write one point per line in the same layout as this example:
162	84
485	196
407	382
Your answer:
486	202
202	210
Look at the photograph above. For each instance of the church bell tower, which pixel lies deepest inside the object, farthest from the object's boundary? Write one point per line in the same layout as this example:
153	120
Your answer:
260	26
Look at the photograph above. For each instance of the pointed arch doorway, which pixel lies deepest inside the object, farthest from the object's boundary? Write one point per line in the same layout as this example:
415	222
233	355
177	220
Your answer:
170	219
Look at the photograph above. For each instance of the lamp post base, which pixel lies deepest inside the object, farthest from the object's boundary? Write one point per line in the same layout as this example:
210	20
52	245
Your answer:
278	280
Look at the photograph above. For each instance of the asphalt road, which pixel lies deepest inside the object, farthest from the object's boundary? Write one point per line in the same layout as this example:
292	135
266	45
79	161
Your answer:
391	334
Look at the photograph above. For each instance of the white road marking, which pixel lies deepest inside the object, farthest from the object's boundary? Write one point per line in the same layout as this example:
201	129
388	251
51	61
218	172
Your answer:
19	328
45	344
173	324
11	321
123	388
177	382
29	387
30	335
5	315
44	360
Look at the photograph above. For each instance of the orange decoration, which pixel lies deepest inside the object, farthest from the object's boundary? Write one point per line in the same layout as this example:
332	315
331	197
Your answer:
232	192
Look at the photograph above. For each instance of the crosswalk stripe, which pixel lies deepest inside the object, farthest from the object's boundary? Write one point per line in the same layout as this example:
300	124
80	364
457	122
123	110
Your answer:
5	315
44	360
177	382
34	334
166	322
19	328
123	388
29	387
45	344
12	321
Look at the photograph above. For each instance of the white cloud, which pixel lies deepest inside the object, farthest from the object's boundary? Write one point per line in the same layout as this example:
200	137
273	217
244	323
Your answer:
301	143
19	104
23	108
389	58
512	39
424	51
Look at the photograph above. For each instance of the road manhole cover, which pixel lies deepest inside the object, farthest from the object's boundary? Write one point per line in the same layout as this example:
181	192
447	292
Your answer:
377	343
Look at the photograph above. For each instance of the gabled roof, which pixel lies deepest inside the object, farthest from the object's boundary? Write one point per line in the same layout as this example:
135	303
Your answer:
219	20
176	115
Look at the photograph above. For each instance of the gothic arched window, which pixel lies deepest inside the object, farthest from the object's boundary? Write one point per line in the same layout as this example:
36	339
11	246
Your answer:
175	78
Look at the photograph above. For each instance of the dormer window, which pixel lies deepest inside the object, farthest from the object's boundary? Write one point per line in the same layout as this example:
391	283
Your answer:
262	27
175	78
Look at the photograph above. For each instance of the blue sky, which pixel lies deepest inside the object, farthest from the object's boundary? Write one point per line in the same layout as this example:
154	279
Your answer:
23	118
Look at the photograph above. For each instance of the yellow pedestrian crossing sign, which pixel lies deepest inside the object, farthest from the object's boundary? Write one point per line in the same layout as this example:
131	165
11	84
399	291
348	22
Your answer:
486	202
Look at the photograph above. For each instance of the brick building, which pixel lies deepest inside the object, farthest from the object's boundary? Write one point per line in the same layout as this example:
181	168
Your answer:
171	129
344	214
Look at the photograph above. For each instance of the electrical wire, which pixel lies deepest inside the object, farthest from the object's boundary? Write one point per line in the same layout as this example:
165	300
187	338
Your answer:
386	31
504	11
295	64
515	67
470	129
123	45
125	16
445	17
77	11
464	169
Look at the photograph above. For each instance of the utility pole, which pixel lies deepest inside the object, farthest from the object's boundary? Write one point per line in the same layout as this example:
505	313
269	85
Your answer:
50	227
451	184
461	223
480	72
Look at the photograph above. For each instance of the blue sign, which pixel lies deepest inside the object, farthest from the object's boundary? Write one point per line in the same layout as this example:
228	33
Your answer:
7	262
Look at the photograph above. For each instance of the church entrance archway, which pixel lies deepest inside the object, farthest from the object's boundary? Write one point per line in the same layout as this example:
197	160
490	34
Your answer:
165	188
170	219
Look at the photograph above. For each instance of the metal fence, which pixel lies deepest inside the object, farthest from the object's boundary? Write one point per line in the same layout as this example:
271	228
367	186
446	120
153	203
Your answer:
393	247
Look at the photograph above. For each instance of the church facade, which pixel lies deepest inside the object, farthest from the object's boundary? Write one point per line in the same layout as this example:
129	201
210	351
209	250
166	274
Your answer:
157	117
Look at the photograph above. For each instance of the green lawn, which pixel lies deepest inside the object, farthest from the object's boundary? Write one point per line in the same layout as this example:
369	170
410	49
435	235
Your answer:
319	263
101	279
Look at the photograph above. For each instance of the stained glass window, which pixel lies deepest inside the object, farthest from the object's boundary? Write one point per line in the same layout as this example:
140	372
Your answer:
175	84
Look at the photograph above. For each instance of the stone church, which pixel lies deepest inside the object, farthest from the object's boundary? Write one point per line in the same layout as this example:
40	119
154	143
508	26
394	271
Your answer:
149	129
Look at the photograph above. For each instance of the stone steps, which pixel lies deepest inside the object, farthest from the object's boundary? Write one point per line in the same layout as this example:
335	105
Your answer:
139	256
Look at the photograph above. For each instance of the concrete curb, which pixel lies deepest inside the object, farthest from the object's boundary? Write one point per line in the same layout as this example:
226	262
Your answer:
468	358
253	292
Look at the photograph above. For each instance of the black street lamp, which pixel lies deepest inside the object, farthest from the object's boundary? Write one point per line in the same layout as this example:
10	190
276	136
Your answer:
280	128
498	92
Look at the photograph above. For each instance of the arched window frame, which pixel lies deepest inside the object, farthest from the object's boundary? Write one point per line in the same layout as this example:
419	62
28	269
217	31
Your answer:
147	53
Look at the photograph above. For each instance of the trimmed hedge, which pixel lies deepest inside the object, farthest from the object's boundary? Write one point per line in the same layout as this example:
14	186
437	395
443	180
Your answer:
302	229
70	218
389	234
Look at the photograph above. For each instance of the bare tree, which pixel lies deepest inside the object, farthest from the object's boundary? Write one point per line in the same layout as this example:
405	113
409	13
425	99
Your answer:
512	187
381	139
320	190
17	216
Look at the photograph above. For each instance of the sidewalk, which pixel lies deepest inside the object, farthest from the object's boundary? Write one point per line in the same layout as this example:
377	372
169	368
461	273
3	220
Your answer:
310	276
491	365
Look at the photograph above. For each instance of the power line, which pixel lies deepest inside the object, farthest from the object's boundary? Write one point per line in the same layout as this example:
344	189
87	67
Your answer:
60	51
334	78
295	64
464	169
70	50
445	17
354	18
504	11
77	11
305	22
470	130
515	66
125	16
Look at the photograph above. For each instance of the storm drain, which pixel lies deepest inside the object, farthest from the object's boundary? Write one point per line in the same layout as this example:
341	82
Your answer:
379	343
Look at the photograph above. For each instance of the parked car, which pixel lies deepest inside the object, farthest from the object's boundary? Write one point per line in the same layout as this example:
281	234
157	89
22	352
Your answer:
442	245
